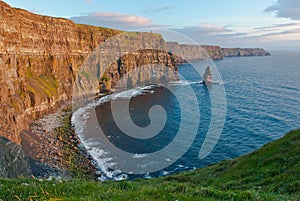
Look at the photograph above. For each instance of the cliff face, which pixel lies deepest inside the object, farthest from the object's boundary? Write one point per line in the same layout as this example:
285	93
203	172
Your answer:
40	58
191	53
243	52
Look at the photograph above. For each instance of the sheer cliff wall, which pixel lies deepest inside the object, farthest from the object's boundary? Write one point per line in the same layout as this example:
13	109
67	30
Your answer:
40	58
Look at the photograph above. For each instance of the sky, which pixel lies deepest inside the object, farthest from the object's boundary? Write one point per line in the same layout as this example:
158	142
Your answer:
269	24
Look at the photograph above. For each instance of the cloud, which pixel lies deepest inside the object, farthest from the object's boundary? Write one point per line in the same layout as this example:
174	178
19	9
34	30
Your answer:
286	8
210	34
284	35
279	36
276	27
283	32
113	20
164	9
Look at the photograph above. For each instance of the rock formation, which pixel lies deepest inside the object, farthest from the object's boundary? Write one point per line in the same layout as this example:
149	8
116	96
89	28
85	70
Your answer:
12	160
207	77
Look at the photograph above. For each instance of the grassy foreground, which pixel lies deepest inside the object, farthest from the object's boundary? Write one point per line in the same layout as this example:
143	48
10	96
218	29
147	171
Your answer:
270	173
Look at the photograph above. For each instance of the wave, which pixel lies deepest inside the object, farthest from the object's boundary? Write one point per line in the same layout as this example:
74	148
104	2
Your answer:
189	82
126	94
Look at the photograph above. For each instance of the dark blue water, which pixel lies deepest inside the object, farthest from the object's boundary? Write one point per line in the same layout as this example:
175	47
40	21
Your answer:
263	103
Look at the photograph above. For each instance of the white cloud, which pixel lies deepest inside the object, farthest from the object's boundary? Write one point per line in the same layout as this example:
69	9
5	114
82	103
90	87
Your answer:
113	20
286	8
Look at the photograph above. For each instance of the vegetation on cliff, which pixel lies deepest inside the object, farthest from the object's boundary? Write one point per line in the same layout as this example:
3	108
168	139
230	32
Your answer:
75	159
270	173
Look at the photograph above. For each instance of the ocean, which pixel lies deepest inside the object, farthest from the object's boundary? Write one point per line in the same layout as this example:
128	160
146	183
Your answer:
154	131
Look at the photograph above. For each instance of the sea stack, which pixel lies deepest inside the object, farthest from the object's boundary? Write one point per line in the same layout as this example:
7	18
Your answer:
207	76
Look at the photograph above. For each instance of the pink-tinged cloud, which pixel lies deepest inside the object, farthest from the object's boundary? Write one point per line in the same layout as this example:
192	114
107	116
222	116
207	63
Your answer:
113	20
280	32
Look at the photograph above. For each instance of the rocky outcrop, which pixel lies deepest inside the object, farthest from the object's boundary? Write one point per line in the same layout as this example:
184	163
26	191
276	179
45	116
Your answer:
12	160
207	76
243	52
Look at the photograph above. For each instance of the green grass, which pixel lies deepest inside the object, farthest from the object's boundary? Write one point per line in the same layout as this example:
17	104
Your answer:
270	173
43	84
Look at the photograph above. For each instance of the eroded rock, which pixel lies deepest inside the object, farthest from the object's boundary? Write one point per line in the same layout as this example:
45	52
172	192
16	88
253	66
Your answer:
12	160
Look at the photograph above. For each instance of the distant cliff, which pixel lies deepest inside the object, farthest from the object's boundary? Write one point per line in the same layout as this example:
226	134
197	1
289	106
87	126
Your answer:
201	52
191	53
243	52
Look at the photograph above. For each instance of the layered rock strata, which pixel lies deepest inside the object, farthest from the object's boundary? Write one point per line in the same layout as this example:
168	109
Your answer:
41	57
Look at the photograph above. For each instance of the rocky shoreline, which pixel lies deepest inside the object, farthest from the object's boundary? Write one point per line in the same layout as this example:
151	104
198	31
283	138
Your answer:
54	149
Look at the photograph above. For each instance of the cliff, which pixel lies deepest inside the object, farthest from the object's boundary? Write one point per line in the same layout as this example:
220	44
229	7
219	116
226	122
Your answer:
188	53
43	58
40	58
192	53
242	52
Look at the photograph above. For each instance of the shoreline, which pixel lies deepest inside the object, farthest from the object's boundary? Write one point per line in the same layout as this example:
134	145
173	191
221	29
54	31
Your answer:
54	149
102	174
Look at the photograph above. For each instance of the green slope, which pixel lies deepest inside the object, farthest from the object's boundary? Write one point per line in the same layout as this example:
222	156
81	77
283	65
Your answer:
270	173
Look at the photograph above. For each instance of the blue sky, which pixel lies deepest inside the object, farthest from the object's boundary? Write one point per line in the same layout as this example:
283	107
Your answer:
271	24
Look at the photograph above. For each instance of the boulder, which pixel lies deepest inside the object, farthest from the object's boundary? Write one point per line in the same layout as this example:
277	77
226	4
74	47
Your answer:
12	160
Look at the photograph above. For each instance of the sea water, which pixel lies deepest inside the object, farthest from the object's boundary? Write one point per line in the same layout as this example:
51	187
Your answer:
262	104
